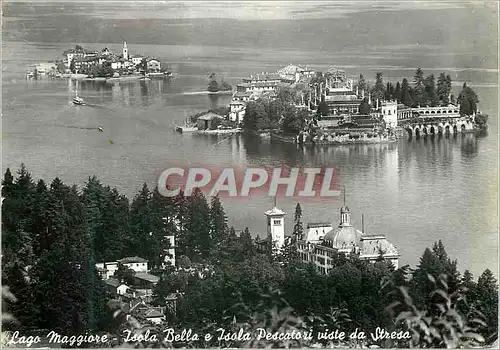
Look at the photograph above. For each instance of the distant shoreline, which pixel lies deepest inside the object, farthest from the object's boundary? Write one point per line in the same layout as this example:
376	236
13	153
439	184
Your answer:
226	92
84	77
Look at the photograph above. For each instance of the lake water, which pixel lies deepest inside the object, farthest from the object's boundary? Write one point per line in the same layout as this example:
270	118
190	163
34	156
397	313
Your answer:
415	192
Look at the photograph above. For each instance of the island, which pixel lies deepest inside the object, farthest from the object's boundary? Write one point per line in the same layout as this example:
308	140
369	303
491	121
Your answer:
297	104
218	86
105	65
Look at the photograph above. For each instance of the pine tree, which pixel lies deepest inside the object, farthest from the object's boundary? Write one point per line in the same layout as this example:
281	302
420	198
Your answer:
431	97
94	198
378	91
163	226
116	225
443	90
364	107
247	244
418	95
141	226
388	94
448	88
405	94
7	184
468	101
361	83
397	92
218	222
298	229
487	301
181	222
198	226
39	224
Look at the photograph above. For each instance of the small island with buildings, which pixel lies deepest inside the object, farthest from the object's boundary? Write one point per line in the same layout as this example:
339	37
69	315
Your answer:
103	65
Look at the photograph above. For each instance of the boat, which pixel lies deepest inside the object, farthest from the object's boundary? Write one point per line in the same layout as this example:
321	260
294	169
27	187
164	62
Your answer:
158	74
186	128
78	100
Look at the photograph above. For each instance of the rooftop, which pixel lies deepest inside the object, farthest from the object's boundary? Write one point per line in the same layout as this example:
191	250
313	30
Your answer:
264	76
113	282
133	259
318	224
147	277
275	211
237	103
209	116
153	313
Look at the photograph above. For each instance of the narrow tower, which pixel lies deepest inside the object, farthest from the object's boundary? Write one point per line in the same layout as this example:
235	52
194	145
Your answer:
276	227
345	214
125	51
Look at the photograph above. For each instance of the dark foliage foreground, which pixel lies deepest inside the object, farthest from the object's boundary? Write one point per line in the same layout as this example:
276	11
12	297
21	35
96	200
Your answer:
52	236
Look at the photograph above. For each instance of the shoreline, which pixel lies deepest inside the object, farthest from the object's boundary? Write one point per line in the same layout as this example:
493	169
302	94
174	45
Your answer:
225	92
84	77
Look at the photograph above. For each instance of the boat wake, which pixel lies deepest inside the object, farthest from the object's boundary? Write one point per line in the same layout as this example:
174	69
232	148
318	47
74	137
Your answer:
80	127
194	93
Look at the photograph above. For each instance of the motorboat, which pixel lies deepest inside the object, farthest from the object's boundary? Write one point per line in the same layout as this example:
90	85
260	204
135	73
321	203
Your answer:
78	101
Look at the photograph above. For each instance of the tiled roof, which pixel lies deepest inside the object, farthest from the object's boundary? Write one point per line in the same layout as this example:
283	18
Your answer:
133	259
153	313
113	282
343	237
264	76
243	94
275	211
264	83
378	243
209	116
237	103
315	234
147	277
318	224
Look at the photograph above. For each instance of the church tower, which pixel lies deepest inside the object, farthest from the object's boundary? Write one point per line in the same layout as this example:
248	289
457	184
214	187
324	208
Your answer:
125	51
276	227
345	215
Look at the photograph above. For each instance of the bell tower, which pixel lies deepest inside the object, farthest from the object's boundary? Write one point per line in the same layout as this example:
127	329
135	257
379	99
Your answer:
276	227
125	51
345	214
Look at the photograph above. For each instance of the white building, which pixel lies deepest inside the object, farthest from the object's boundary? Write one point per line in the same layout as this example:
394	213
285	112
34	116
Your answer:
389	112
125	51
237	111
135	263
294	74
117	64
153	65
276	227
449	111
322	241
170	251
137	59
108	269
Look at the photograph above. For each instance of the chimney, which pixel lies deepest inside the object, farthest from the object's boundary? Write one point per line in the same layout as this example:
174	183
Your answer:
363	223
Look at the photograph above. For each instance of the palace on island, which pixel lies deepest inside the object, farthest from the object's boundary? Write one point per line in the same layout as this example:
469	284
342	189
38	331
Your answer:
322	241
342	97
